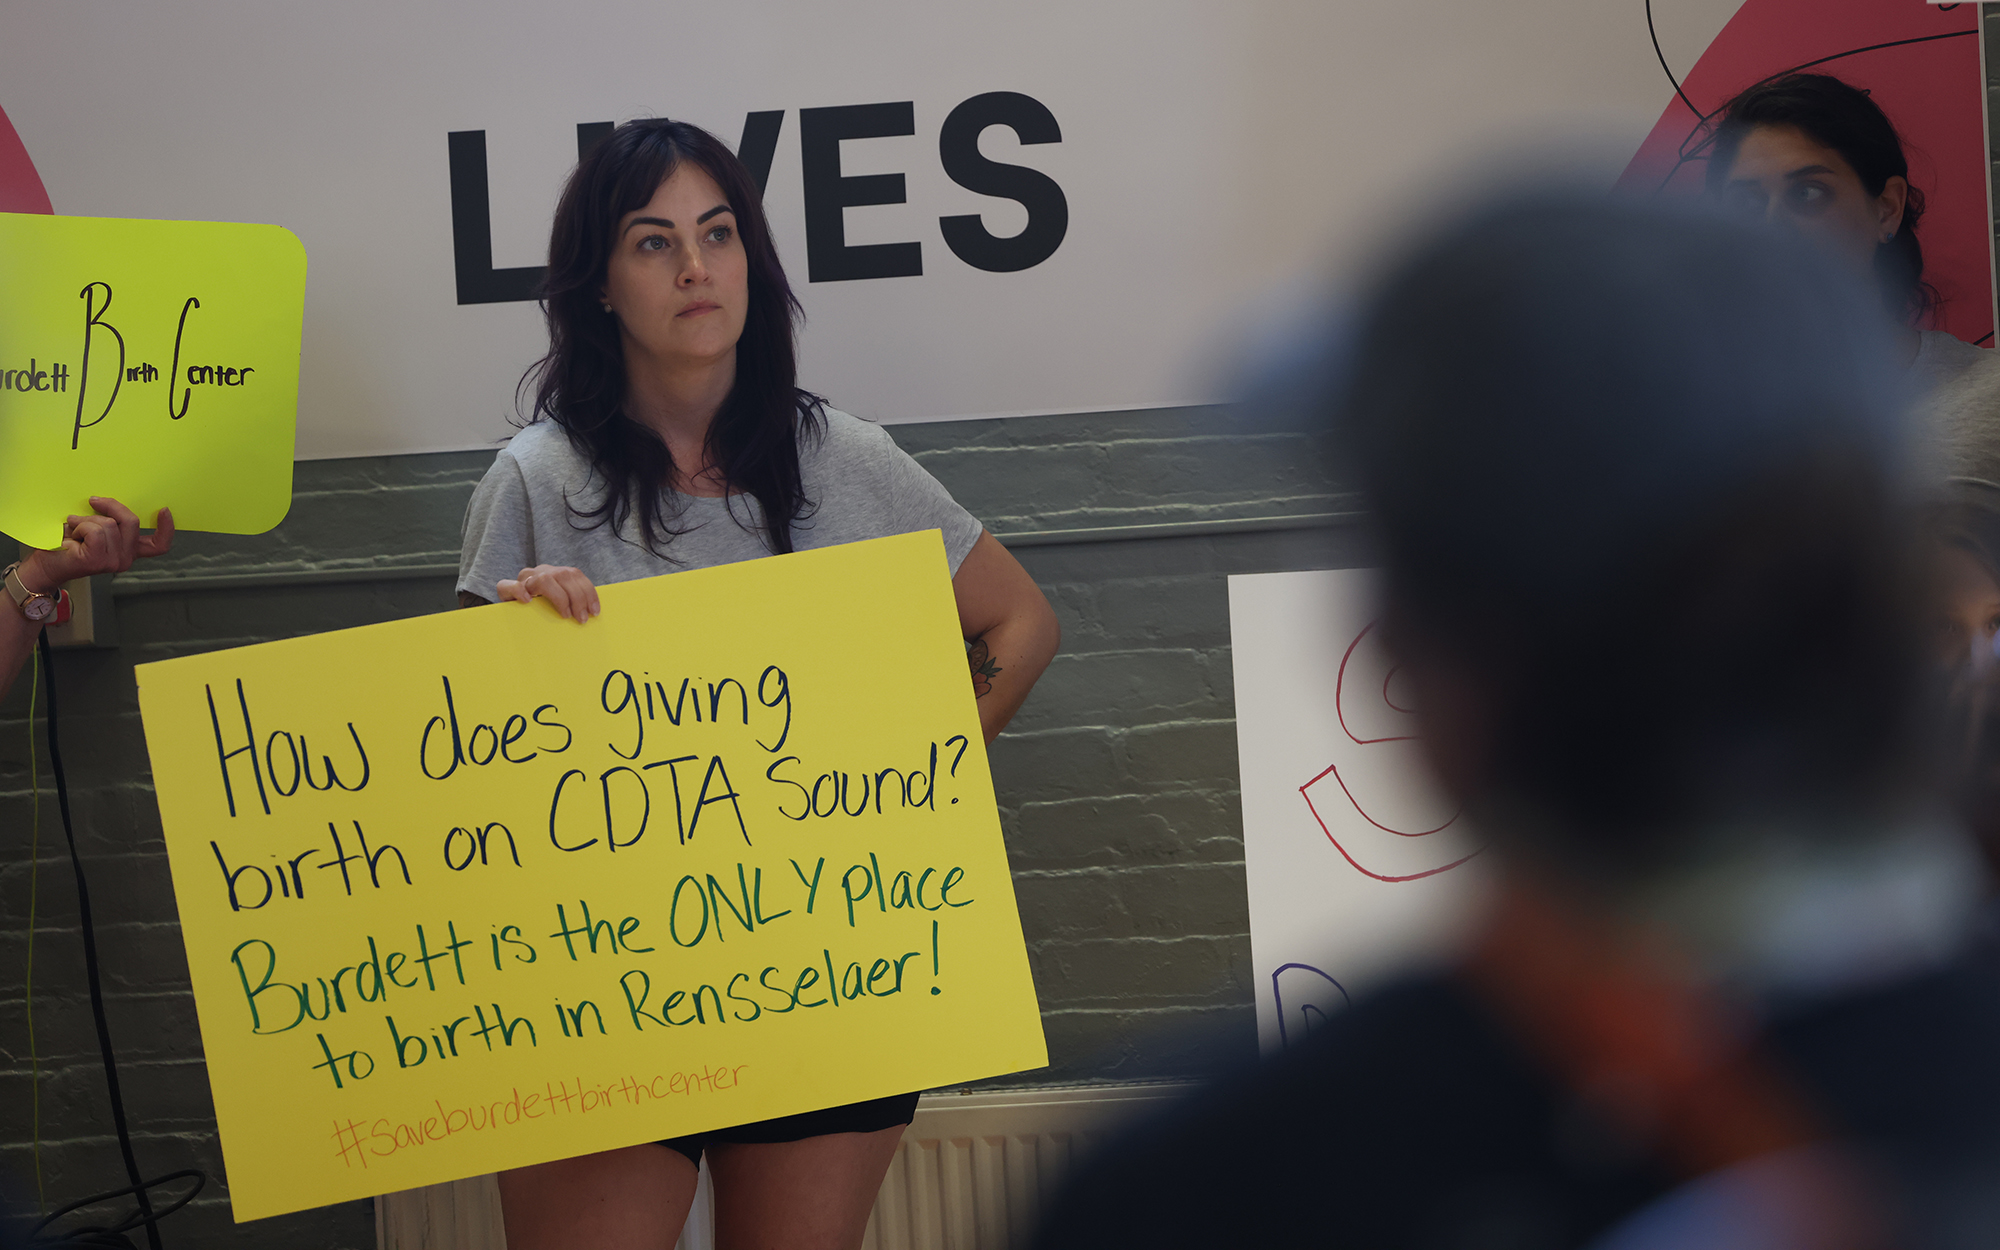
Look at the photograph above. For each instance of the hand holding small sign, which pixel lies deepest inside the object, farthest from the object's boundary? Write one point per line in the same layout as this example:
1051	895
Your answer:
107	541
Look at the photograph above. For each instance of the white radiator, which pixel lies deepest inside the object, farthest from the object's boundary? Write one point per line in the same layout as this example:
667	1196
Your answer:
971	1174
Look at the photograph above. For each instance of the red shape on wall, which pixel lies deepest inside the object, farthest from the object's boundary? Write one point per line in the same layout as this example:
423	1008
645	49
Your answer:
1375	713
21	189
1919	61
1348	855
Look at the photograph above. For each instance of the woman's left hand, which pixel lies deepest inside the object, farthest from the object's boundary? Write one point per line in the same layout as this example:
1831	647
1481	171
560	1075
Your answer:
568	590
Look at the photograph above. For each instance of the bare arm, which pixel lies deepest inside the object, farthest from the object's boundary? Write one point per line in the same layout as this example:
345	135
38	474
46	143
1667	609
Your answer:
1011	628
105	542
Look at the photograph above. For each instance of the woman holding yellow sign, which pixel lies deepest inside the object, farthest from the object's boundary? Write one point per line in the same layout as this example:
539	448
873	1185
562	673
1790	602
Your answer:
669	433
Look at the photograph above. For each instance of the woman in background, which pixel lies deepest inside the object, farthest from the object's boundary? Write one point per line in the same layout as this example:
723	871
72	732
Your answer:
1817	155
669	433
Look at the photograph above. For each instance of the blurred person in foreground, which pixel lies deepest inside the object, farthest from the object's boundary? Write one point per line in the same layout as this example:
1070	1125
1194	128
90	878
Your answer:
1645	516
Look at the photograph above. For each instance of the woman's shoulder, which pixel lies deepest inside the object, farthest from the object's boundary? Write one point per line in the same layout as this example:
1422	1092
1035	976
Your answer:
1944	358
540	441
542	451
845	427
846	440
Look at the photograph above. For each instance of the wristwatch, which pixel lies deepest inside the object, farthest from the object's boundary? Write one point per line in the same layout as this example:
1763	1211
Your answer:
34	604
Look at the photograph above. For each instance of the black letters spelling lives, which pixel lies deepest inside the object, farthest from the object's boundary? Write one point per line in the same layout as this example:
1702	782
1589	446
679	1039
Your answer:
195	375
828	192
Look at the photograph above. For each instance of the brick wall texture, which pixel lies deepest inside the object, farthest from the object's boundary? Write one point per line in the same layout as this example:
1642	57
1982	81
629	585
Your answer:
1117	782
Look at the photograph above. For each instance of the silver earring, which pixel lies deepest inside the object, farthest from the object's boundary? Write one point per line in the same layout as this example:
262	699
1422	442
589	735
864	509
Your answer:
607	308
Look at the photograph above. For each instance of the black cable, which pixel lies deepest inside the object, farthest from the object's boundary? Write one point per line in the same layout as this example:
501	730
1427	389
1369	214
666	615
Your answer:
113	1238
137	1188
1876	47
1686	155
1663	61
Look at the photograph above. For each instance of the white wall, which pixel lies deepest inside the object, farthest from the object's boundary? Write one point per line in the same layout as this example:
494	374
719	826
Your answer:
1208	151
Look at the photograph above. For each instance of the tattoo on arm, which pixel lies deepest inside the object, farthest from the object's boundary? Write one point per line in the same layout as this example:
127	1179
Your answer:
980	657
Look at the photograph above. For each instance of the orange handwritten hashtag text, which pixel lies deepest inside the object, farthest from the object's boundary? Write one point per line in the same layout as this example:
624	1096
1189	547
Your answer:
437	1123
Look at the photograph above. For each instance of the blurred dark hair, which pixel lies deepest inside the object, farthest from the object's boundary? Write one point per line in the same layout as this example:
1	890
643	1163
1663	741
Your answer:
1837	115
1639	467
580	384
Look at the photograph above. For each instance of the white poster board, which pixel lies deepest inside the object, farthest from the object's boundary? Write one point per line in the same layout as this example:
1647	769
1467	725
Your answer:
1358	866
1203	152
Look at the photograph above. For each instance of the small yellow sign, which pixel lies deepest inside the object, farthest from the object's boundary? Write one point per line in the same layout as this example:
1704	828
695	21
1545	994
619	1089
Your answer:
487	888
155	362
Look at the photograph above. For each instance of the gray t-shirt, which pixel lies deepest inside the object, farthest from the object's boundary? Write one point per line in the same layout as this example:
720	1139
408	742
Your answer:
1958	406
861	483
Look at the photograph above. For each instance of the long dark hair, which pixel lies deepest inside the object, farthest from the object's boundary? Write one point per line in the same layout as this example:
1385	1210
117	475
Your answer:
1840	116
580	385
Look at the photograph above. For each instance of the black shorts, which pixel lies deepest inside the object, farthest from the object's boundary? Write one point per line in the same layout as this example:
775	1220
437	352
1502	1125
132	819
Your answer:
856	1117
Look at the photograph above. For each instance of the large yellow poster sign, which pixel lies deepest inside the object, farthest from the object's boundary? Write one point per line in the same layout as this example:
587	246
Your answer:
156	362
488	888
